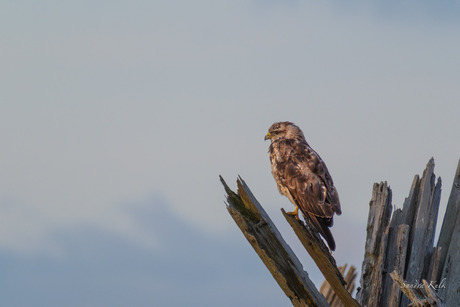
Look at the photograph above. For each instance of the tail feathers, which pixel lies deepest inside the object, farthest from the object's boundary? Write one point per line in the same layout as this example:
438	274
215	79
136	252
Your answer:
322	226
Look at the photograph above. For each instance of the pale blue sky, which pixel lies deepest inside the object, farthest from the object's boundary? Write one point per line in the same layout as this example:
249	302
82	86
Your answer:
116	118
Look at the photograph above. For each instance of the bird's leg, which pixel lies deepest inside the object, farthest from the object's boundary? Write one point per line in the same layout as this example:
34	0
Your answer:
295	212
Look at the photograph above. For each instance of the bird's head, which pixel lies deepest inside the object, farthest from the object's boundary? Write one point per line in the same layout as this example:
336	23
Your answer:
286	130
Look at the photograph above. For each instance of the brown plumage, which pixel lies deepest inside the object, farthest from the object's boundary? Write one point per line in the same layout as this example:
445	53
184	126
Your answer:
302	176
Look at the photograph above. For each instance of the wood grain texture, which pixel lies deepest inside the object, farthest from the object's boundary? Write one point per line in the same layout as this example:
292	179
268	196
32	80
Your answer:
329	293
268	243
402	265
377	224
424	225
322	257
406	247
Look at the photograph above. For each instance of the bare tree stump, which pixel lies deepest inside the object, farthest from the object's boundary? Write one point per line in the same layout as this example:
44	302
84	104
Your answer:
404	247
401	265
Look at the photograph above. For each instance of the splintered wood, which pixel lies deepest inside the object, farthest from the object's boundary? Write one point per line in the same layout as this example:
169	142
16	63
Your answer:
278	257
400	252
329	293
268	243
402	266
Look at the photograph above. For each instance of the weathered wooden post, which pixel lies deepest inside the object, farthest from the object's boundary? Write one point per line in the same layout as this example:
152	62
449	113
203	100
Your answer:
400	256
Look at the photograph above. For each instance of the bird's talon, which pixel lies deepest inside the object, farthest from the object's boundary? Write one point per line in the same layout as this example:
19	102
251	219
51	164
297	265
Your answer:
295	213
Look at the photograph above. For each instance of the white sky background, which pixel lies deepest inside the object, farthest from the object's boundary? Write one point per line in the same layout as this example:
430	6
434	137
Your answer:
106	106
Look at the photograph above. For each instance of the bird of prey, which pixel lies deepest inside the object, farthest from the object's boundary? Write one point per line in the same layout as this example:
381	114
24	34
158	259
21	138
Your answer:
302	176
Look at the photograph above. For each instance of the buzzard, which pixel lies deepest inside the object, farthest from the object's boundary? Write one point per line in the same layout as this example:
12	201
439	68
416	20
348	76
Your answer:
302	176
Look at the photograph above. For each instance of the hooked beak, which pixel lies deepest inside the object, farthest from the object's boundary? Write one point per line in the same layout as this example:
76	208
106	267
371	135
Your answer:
268	136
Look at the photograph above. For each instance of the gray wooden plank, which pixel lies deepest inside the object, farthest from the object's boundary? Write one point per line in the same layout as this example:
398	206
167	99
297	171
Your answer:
424	224
378	221
395	260
448	224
